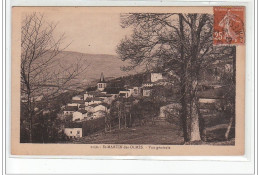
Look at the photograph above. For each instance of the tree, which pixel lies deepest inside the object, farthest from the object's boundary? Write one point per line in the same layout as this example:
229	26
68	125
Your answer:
43	75
177	44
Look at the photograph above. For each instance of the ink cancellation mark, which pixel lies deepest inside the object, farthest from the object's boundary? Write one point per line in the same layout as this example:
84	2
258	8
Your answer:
229	25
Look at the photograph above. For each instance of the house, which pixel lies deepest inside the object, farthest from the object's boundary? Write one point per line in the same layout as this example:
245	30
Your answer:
101	107
92	94
96	107
97	110
131	91
90	108
73	132
70	110
72	104
99	114
94	100
113	91
156	76
77	97
82	106
152	79
88	95
147	91
79	115
124	93
107	98
137	91
78	102
101	85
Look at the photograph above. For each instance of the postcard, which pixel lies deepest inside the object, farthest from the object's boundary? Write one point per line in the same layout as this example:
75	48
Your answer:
128	81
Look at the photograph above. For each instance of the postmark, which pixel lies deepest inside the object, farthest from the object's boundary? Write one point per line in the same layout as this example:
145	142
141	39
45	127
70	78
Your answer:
229	25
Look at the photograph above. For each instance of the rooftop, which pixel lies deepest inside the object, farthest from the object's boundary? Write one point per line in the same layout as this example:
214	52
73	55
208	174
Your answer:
73	125
93	99
102	78
78	101
113	90
71	108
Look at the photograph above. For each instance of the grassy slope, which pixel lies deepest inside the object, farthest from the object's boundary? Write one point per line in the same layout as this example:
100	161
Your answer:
149	134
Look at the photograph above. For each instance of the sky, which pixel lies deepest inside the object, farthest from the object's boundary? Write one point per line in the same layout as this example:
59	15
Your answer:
96	30
88	32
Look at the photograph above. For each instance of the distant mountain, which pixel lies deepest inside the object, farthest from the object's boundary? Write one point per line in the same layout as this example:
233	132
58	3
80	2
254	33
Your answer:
108	64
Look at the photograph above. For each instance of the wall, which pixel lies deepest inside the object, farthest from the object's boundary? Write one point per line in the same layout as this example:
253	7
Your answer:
156	76
73	132
77	115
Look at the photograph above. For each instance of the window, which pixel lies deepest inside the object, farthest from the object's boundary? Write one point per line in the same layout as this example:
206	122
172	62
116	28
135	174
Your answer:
71	132
78	132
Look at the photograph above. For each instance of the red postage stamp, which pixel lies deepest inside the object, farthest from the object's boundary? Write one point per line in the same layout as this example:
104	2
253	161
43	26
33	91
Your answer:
229	26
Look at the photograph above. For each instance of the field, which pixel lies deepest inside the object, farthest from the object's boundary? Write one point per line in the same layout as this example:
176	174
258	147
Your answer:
149	134
158	134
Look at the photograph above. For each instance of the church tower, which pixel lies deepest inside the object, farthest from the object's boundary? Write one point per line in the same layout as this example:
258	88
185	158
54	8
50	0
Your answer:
102	83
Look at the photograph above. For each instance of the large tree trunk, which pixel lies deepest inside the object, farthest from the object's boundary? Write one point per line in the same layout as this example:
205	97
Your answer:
231	121
184	75
194	112
195	128
194	72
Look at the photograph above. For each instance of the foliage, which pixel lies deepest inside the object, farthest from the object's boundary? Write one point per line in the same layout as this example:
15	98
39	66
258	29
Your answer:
43	78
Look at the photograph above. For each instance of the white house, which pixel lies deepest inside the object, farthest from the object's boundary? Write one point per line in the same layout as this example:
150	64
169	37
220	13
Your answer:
156	76
72	104
124	94
79	115
147	91
70	110
90	108
98	114
88	95
137	91
77	97
100	107
131	91
94	100
73	132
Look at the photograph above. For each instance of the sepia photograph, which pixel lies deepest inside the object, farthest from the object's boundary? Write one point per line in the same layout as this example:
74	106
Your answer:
120	79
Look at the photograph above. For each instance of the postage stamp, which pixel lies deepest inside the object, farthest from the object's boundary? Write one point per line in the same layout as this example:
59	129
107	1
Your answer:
229	25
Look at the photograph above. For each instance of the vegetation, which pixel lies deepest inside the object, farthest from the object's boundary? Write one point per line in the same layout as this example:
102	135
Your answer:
180	45
43	78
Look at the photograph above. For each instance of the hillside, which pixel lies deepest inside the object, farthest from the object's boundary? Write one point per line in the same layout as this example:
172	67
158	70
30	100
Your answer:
110	65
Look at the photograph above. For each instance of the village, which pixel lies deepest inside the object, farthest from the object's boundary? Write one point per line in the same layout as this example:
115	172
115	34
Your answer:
110	109
96	104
